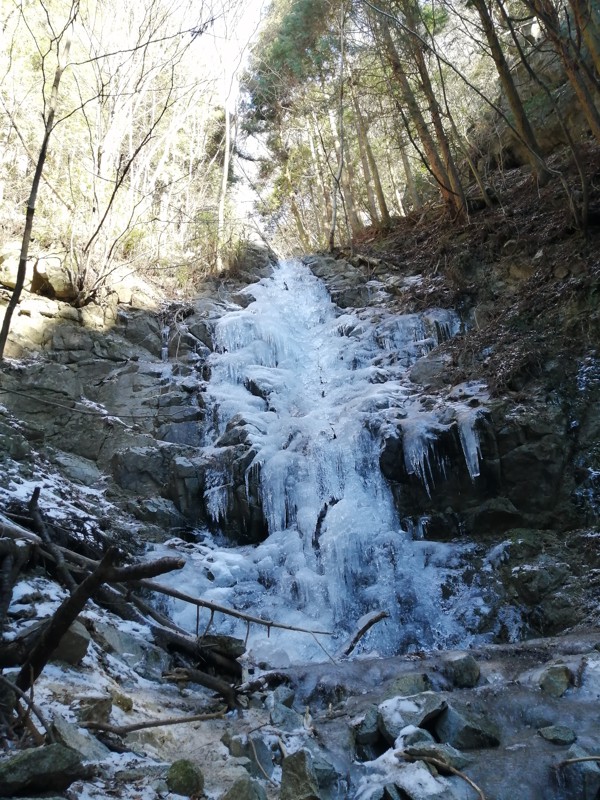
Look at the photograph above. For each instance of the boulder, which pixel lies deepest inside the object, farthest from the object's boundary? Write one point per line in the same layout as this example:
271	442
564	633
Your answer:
253	748
47	769
74	644
298	778
9	265
441	752
465	731
245	789
397	713
185	778
80	740
285	719
51	278
145	658
582	779
558	734
93	708
462	670
556	679
409	684
366	730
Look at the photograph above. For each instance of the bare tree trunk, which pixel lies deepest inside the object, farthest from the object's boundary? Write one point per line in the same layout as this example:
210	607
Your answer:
572	62
223	194
435	162
522	124
587	20
39	167
366	168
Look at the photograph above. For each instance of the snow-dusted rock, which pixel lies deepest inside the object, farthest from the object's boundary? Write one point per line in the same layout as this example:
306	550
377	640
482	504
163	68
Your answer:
462	669
50	768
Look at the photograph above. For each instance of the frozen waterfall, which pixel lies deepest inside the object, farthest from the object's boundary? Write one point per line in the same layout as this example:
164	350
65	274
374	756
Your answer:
314	388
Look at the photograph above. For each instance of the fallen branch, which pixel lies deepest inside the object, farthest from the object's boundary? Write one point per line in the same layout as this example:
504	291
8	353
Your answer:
42	529
193	647
189	675
365	625
123	730
69	610
568	761
31	705
157	587
10	528
264	682
442	767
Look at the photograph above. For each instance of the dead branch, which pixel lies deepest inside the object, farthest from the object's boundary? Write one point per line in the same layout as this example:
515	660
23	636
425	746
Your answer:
13	554
10	528
188	675
123	730
443	768
368	623
198	649
68	611
157	587
148	569
62	619
31	705
568	761
42	530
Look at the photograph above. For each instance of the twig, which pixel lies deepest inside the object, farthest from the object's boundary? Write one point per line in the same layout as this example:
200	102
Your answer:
568	761
443	767
31	705
258	764
123	730
377	617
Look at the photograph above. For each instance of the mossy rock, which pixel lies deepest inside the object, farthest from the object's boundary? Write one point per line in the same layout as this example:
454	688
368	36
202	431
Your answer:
185	778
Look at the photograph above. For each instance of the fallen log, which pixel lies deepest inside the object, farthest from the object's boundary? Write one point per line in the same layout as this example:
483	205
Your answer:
16	531
123	730
189	675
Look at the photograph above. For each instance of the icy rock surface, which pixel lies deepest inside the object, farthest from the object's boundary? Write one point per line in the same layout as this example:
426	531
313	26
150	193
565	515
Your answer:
315	390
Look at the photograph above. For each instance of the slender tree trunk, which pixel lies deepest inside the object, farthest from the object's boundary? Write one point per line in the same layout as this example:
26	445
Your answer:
435	162
326	212
31	202
374	171
522	124
361	137
411	185
223	193
546	12
587	19
442	139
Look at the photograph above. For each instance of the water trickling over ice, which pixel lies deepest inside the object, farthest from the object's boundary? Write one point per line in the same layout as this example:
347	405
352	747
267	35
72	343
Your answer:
311	385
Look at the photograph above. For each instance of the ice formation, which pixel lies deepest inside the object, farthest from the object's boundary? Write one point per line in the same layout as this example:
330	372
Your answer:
314	389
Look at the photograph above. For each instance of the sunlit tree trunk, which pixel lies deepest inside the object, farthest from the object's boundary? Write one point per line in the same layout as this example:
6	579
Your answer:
522	124
31	202
415	114
548	15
